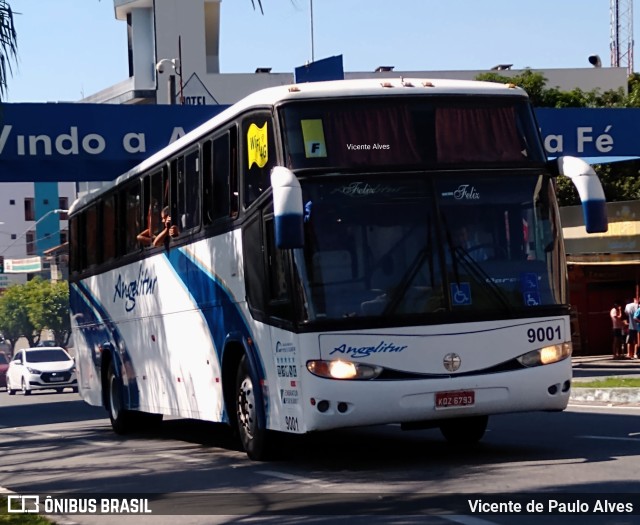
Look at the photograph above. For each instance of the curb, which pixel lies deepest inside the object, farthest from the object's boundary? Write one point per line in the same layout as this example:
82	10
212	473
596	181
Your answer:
623	396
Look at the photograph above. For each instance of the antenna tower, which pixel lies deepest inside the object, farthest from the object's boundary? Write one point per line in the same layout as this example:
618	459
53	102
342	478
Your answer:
621	40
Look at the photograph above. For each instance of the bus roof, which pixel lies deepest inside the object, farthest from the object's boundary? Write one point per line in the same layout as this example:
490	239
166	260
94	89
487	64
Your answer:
369	87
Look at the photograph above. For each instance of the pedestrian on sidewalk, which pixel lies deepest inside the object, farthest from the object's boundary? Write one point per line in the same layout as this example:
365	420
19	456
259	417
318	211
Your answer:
632	337
617	324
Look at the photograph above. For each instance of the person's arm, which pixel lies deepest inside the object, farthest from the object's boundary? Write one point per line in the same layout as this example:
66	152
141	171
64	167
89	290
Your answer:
159	239
171	231
145	237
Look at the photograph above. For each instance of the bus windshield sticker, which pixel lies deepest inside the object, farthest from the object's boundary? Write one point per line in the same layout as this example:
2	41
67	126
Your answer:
313	137
257	146
460	294
364	189
464	192
530	291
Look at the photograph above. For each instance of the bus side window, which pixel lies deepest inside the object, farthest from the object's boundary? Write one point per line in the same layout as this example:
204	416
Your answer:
207	182
175	171
131	216
259	155
78	248
277	275
91	246
152	197
218	176
221	204
109	229
185	191
190	217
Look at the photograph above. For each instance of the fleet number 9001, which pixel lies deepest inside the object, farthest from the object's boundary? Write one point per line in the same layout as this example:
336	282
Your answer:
544	334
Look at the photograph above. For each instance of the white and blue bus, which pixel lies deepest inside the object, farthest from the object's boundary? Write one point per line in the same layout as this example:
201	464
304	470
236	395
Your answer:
344	253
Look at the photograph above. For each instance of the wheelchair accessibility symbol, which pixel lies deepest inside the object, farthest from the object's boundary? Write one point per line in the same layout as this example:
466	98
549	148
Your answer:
460	294
532	299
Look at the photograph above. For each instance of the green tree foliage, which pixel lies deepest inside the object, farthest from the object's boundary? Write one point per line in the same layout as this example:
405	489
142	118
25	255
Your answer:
49	309
28	309
14	315
620	180
8	44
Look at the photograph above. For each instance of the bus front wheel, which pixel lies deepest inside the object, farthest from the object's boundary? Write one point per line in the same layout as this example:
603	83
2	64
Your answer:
252	433
464	430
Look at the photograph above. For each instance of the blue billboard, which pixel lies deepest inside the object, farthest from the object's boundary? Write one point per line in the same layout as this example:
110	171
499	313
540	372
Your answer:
97	142
59	142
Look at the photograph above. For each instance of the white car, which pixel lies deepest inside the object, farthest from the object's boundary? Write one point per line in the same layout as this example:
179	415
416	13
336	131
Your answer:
41	369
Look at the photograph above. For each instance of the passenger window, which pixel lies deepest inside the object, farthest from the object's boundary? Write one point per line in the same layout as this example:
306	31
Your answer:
91	216
219	179
191	209
132	217
153	202
109	230
185	195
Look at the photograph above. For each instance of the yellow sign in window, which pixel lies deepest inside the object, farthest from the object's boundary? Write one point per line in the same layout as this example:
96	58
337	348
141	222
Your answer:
313	136
257	146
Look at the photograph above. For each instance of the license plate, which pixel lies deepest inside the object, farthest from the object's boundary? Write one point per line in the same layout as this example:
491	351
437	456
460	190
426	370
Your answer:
54	378
458	398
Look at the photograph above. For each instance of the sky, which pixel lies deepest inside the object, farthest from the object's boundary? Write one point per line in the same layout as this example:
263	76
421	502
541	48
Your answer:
69	49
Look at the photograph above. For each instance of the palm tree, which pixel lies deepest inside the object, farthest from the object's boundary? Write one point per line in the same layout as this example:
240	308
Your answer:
8	44
259	5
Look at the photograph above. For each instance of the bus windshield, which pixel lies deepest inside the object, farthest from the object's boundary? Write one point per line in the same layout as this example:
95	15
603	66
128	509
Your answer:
399	245
427	132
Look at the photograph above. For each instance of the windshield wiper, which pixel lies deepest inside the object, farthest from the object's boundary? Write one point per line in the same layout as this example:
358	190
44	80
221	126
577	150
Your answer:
480	275
407	279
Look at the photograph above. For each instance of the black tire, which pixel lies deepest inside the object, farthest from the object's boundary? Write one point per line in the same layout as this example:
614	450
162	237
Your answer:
75	389
25	390
464	430
121	420
253	436
59	390
11	391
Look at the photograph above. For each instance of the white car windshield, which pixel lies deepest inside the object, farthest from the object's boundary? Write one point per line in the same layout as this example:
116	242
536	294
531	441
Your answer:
47	356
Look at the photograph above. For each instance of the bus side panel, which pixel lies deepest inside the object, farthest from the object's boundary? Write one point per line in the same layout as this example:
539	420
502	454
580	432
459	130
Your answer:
162	339
89	337
284	369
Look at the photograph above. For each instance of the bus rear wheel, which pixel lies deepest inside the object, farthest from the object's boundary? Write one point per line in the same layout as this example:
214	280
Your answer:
121	419
464	430
253	435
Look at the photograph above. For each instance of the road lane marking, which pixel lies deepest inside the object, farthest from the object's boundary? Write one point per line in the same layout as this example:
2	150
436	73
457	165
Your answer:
293	477
467	520
184	459
611	438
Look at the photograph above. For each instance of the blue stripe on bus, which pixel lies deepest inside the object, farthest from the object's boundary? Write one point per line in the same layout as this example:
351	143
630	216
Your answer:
97	329
217	306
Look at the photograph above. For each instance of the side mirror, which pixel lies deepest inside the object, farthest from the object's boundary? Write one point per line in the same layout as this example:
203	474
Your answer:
287	208
589	188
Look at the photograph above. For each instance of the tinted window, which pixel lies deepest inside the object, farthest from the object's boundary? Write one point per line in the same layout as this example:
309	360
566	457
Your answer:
47	356
417	131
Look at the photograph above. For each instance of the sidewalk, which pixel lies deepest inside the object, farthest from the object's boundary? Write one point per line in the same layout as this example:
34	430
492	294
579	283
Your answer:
617	396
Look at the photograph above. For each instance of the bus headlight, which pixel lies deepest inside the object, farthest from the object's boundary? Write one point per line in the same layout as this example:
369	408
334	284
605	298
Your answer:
546	355
338	369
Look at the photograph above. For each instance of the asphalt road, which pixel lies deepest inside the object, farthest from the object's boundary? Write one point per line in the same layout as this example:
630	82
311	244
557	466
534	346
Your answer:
56	444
